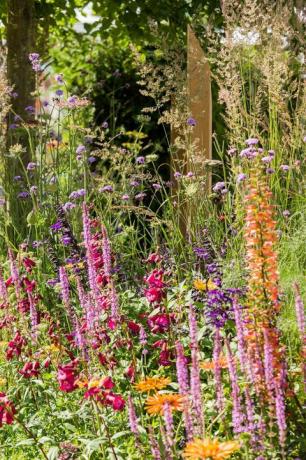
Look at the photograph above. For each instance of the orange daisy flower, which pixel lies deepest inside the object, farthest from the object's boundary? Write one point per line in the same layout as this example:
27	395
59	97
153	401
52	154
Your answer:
209	365
155	404
212	449
152	383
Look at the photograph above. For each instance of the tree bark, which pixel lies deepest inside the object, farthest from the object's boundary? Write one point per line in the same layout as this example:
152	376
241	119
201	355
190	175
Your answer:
21	35
20	43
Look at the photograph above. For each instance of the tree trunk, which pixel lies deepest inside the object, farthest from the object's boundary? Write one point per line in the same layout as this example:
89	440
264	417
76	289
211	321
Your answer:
21	34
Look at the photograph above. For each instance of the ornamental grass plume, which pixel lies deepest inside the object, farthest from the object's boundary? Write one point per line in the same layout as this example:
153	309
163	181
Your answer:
210	449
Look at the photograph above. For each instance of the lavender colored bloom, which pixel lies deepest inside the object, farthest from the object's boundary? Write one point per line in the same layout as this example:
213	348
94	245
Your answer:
31	166
249	153
252	141
23	195
71	100
59	78
91	160
68	206
218	186
284	168
191	121
77	194
241	177
134	183
17	178
13	126
66	240
59	92
177	174
30	109
267	159
34	57
125	197
104	125
156	186
45	103
80	149
270	171
140	160
35	61
14	95
286	213
106	188
190	174
271	153
57	226
140	196
232	151
33	189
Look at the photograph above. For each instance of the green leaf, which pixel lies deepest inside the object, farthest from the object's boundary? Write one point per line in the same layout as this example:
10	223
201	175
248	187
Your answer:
53	453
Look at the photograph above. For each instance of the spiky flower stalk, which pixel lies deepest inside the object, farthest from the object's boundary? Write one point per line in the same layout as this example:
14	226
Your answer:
132	416
154	446
300	318
92	273
237	414
14	273
106	250
3	291
64	283
33	316
183	381
195	382
217	370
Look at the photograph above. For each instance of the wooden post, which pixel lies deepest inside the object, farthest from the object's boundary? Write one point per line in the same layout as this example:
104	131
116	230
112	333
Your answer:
199	102
199	107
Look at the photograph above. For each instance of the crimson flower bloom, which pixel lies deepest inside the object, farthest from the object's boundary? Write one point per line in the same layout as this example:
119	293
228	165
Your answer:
30	369
66	376
7	410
